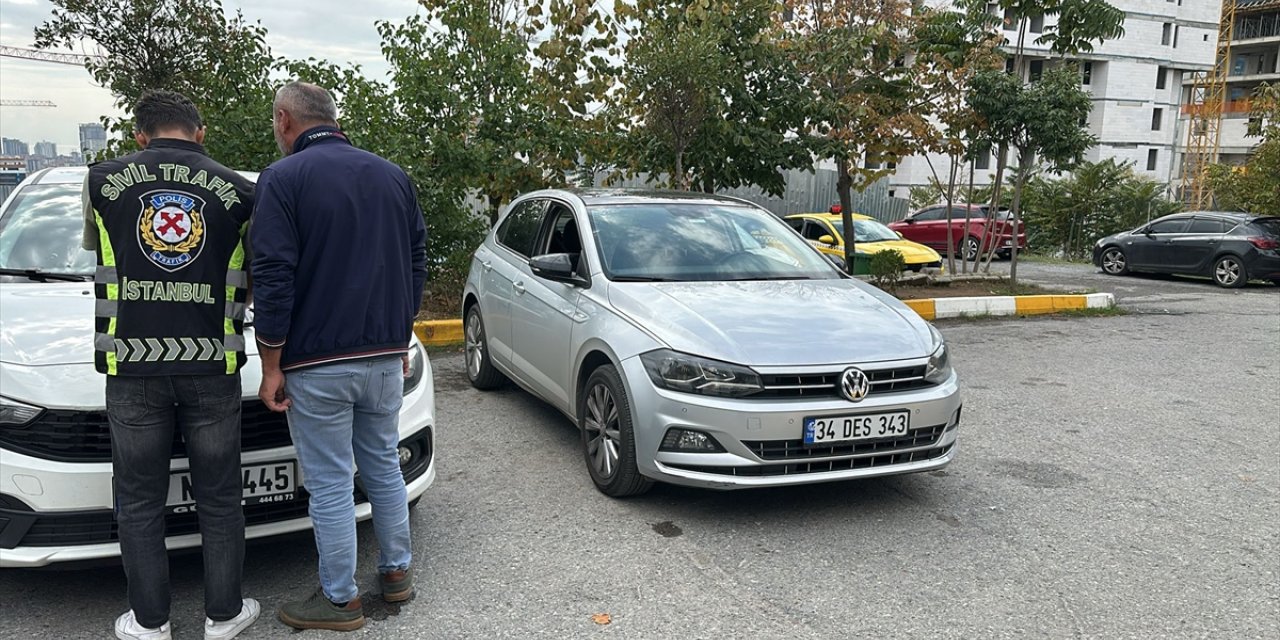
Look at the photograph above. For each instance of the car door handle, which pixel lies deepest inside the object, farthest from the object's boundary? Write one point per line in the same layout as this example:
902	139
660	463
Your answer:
488	265
519	287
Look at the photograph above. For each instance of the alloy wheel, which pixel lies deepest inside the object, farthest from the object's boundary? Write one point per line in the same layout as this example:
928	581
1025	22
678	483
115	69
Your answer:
604	437
474	345
971	248
1113	261
1227	273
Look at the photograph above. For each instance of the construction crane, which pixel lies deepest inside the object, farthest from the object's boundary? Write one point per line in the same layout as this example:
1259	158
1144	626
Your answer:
76	59
26	103
1208	96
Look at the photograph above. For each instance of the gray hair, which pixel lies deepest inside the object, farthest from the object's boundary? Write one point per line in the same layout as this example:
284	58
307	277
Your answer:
307	103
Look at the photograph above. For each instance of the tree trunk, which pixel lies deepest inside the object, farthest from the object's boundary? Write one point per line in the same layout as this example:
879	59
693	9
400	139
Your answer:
951	195
968	213
495	203
1002	159
678	180
1024	160
844	188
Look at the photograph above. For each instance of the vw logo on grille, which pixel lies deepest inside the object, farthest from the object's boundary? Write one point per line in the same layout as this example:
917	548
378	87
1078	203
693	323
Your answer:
854	384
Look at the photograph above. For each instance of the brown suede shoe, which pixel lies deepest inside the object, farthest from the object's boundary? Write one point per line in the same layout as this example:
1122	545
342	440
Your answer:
317	612
397	586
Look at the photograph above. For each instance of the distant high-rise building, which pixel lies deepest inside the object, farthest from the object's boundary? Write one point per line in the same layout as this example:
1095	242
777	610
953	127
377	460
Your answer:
14	147
46	149
93	138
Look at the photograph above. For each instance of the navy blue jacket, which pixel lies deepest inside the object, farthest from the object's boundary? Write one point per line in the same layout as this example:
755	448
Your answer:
340	256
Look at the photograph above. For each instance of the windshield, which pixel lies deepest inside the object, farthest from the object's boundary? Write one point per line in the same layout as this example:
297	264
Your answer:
871	231
42	230
701	242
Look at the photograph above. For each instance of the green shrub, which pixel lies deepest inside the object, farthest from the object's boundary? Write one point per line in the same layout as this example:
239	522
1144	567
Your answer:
886	268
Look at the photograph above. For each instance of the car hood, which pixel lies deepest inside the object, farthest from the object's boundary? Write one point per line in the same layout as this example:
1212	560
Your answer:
776	323
50	323
911	252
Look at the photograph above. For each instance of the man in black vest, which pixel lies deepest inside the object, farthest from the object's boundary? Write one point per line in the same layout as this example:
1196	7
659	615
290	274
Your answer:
168	225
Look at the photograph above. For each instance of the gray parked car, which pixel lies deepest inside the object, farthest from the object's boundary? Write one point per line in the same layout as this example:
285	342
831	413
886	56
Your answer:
700	341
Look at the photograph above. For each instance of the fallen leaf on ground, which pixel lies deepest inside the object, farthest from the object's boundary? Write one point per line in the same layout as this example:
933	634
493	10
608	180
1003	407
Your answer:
601	618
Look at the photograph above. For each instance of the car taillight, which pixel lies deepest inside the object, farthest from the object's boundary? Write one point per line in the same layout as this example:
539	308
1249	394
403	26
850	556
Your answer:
1265	243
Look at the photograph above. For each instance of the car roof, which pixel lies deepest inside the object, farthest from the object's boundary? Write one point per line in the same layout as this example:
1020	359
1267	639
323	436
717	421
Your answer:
829	217
75	175
607	196
1234	216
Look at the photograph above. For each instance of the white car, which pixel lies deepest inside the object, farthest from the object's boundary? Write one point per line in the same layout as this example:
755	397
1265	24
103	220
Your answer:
56	494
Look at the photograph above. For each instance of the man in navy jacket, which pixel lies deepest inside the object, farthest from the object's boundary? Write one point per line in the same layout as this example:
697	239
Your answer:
339	266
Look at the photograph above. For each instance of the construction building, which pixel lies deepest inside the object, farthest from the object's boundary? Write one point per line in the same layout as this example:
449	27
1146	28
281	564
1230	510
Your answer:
1138	83
1254	59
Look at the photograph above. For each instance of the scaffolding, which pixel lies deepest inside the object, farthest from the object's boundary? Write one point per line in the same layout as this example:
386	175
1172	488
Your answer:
1208	95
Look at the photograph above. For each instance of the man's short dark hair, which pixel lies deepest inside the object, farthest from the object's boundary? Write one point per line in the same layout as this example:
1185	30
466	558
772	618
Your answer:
163	110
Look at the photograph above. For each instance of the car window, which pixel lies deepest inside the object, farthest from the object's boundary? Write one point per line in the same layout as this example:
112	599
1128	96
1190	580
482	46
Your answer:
562	234
1268	226
42	229
1207	225
700	242
519	229
1176	225
814	230
872	231
928	214
795	223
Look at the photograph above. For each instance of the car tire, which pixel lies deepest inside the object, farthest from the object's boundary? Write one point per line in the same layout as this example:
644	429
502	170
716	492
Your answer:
1229	272
608	436
480	370
1114	261
970	247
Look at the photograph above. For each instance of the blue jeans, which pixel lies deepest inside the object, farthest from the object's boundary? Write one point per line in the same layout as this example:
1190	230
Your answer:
143	413
346	413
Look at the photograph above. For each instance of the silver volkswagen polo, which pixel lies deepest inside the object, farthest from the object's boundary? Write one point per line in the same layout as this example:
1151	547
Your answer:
698	340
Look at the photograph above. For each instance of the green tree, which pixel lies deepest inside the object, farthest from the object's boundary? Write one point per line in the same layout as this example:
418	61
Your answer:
706	77
194	47
1041	120
1255	186
861	101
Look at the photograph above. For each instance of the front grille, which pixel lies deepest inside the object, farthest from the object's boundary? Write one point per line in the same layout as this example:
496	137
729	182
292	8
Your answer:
96	527
796	449
825	385
22	527
825	466
85	436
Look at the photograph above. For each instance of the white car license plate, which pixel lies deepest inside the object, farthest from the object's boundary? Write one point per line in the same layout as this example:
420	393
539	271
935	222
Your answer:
270	482
871	426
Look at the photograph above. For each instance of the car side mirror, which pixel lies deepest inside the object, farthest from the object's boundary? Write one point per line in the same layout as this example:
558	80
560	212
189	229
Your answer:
555	266
827	240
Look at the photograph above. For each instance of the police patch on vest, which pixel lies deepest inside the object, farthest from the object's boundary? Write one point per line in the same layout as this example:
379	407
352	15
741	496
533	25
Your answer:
171	228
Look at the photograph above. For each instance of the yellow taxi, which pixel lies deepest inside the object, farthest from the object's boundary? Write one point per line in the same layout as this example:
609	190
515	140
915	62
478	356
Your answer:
822	230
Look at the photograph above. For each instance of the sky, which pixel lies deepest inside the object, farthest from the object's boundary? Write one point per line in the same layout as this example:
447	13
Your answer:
341	31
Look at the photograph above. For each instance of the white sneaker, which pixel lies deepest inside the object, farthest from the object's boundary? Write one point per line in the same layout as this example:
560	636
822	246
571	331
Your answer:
127	628
228	629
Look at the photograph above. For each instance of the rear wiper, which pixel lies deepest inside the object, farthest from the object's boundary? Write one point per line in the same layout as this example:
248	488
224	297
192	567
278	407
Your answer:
44	276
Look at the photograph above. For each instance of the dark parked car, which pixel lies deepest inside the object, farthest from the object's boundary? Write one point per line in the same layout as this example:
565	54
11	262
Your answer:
928	227
1232	248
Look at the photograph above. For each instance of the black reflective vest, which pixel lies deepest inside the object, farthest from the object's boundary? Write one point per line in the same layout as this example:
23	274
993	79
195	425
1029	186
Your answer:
171	282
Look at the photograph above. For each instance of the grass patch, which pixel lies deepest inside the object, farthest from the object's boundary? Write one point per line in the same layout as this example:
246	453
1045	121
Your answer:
1096	312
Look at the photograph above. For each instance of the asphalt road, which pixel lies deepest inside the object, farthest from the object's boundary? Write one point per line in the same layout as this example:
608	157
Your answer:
1118	477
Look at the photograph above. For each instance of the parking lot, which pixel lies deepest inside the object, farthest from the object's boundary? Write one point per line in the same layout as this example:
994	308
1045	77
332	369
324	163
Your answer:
1117	477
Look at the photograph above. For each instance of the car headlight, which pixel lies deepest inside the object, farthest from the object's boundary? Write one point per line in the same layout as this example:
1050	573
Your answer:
939	367
417	367
691	374
16	414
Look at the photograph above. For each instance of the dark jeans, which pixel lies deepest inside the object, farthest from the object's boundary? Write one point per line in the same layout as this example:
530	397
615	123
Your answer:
143	412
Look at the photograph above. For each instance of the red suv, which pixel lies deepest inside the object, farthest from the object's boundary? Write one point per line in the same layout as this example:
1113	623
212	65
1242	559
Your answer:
928	226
